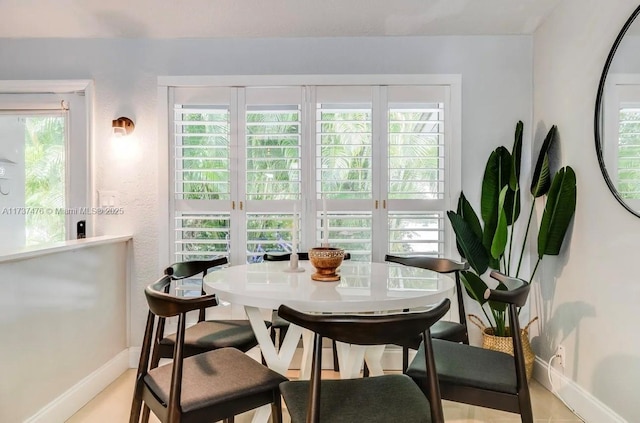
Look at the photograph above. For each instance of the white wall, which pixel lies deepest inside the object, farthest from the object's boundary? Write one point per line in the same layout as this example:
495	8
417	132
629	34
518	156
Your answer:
63	317
12	191
496	92
591	292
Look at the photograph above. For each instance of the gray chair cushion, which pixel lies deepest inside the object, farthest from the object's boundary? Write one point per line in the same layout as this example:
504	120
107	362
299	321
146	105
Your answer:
451	331
465	365
382	399
214	377
209	335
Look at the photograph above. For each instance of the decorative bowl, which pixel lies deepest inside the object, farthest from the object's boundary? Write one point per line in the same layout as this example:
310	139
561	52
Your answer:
326	260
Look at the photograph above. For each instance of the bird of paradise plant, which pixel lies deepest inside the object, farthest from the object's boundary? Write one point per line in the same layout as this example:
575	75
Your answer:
491	244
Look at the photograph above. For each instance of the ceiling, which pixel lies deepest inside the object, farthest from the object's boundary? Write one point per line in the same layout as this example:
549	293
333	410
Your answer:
267	18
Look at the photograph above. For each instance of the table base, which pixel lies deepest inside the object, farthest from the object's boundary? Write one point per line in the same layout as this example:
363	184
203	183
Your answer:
350	357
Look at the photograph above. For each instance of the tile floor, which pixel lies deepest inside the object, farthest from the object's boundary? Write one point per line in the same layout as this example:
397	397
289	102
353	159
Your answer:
113	404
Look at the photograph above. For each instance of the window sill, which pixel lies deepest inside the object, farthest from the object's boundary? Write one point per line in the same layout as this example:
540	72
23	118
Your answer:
57	247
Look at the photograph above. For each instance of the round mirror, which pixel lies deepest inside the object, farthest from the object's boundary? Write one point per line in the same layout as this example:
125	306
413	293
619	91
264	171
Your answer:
617	117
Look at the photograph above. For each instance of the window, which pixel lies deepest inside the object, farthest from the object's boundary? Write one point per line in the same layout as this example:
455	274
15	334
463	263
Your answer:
41	134
629	151
621	137
382	158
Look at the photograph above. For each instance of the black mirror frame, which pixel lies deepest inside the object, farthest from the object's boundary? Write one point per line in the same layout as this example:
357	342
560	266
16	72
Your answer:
598	110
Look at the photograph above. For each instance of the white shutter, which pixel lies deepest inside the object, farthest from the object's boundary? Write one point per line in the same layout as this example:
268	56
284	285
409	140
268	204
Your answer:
268	232
351	231
344	138
621	138
273	139
416	166
629	153
201	236
202	153
416	233
202	169
243	156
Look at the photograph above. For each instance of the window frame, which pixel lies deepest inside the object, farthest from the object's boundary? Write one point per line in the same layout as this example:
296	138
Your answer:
79	152
453	176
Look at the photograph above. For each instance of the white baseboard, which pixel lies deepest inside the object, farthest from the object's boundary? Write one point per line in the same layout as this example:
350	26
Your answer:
67	404
586	405
134	357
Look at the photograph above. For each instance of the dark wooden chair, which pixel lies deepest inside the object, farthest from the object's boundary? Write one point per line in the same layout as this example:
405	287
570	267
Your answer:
206	335
483	377
203	388
279	324
444	329
387	398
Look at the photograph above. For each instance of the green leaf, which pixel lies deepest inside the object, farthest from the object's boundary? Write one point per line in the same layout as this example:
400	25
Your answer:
496	176
469	215
512	206
540	182
474	285
470	243
558	212
512	202
516	155
499	242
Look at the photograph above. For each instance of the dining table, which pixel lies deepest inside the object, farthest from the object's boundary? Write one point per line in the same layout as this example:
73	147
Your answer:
364	287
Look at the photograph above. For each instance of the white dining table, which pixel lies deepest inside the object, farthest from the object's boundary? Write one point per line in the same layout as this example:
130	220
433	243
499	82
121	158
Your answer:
364	287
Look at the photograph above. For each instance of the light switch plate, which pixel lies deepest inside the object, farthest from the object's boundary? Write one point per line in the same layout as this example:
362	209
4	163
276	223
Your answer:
107	198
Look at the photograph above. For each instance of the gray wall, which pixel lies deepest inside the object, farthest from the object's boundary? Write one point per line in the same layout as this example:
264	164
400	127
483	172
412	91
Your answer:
590	293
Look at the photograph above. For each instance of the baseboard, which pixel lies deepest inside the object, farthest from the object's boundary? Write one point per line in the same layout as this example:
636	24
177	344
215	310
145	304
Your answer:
134	357
67	404
586	405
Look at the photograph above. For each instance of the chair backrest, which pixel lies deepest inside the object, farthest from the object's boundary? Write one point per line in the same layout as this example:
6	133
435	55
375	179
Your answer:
163	305
365	329
370	329
516	296
187	269
287	256
440	265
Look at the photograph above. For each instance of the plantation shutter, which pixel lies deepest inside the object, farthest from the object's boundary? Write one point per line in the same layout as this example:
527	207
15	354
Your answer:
416	166
344	166
379	158
273	146
202	173
628	173
621	139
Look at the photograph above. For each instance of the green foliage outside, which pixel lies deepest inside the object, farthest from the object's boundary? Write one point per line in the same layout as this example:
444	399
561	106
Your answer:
44	178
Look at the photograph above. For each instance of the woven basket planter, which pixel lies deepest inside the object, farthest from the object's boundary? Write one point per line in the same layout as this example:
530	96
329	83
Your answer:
505	343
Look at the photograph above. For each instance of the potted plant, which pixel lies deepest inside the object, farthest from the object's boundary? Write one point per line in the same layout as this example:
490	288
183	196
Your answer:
491	244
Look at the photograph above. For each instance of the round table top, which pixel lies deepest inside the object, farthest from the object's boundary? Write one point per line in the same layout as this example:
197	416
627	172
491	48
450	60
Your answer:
363	287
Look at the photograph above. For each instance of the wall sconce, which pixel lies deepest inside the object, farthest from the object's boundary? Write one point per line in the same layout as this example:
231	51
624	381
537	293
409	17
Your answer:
122	126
